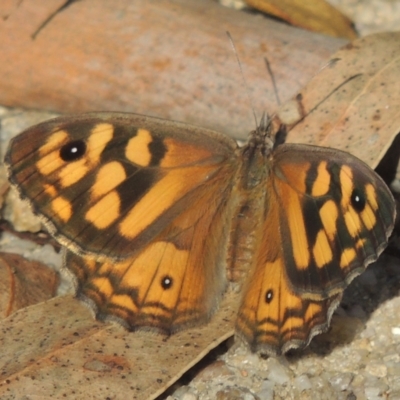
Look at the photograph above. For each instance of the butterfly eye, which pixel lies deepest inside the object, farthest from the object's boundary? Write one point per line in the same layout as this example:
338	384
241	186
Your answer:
358	200
166	282
73	151
269	295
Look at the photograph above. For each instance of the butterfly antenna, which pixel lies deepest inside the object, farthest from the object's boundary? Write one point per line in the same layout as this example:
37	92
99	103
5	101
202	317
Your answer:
243	77
281	133
272	76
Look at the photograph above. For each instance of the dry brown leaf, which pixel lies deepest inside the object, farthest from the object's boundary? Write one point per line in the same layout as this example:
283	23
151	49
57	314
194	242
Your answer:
353	103
317	15
23	283
56	350
169	58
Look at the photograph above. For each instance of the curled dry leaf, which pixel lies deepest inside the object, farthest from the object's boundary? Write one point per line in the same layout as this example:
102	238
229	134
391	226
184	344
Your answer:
64	340
24	283
352	104
317	15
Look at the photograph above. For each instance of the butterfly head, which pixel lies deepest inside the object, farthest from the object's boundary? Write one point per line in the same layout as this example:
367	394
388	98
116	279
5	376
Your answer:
265	138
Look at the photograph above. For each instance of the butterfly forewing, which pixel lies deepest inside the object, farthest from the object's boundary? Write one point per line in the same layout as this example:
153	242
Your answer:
107	184
336	217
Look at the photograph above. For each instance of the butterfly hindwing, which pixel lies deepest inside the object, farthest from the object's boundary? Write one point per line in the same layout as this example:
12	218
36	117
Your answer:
272	317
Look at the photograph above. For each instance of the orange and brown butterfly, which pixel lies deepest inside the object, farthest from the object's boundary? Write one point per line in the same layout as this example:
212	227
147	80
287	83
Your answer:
159	217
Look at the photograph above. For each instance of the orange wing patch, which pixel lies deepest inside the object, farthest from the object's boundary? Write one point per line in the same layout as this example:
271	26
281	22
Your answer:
137	149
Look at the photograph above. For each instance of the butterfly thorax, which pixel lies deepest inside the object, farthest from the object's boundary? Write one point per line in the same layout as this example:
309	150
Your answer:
254	166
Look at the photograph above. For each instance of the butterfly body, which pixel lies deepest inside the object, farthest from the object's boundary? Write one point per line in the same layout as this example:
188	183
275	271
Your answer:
158	217
249	193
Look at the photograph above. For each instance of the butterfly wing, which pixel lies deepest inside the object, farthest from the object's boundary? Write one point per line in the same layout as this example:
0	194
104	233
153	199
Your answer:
329	216
337	216
144	201
108	183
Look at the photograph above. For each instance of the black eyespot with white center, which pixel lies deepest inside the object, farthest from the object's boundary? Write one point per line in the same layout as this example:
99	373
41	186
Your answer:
73	151
358	200
269	296
166	282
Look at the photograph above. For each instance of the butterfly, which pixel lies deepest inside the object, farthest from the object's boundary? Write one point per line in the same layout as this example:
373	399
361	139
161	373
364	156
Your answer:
159	218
